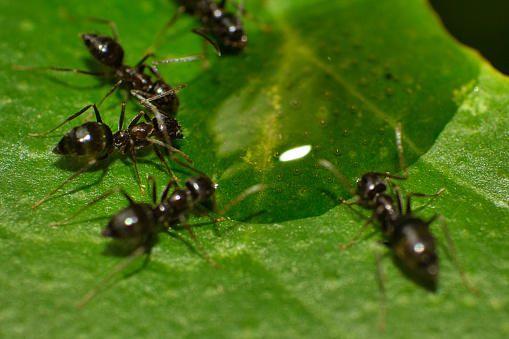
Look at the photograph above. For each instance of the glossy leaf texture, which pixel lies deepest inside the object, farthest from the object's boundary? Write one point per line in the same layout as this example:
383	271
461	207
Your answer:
333	75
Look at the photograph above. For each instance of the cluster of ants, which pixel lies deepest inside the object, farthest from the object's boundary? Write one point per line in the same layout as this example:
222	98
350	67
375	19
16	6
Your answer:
406	235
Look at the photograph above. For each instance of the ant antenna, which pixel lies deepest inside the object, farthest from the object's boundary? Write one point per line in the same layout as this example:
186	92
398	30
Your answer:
399	145
335	171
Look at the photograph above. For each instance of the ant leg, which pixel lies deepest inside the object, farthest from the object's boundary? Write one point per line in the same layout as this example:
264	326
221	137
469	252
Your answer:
75	115
241	196
453	253
366	224
168	188
93	202
112	25
160	36
198	244
202	32
414	194
170	61
70	16
380	275
80	171
135	161
111	91
142	61
230	205
146	101
174	150
335	171
154	189
161	158
59	69
117	269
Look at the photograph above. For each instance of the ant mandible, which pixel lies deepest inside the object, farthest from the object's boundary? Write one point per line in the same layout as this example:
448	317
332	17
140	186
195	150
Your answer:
95	140
408	237
141	222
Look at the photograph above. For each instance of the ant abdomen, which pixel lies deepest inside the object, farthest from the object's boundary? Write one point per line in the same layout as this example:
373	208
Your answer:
414	247
134	221
89	139
104	49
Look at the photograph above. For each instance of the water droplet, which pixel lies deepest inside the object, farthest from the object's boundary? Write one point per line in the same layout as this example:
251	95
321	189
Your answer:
331	141
278	190
279	176
323	123
345	131
296	171
355	163
316	147
295	103
353	108
277	154
381	130
306	133
337	151
329	178
364	141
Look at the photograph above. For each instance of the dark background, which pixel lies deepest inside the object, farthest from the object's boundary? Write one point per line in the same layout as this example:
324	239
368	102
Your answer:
481	24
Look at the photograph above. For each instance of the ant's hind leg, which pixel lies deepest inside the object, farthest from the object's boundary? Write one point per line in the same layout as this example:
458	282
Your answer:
93	202
144	249
380	275
415	194
72	177
453	255
75	115
366	224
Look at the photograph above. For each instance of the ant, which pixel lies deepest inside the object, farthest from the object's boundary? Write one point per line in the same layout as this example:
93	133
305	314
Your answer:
140	223
407	236
108	52
95	140
225	26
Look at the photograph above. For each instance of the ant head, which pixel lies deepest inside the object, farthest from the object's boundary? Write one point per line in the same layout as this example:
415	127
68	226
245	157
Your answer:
170	126
201	188
135	221
414	246
104	49
371	184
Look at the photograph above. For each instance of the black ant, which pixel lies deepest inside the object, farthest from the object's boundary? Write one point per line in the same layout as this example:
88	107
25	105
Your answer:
109	52
95	140
140	223
225	26
408	237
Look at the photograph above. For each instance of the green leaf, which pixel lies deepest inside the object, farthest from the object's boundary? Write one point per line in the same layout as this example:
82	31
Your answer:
335	75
